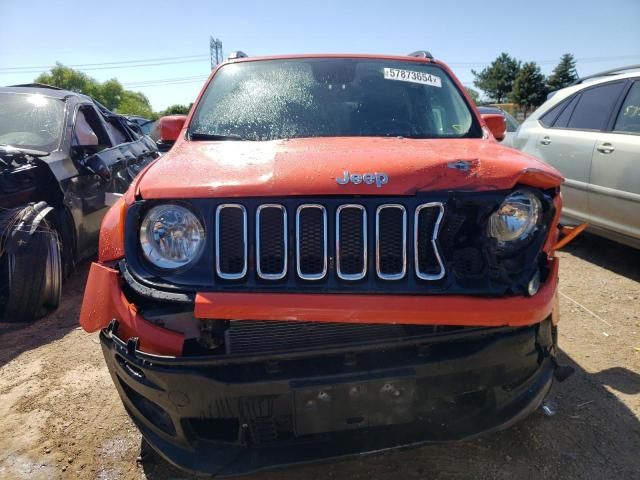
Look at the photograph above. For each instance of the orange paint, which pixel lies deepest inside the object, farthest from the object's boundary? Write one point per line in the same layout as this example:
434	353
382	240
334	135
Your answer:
414	309
104	301
308	167
552	238
569	234
111	242
496	124
171	126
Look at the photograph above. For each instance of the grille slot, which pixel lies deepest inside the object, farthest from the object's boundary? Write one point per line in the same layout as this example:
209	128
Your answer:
428	263
255	336
231	241
271	336
391	241
311	241
351	242
271	241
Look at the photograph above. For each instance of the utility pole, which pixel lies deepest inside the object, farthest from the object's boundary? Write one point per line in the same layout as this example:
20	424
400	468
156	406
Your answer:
215	51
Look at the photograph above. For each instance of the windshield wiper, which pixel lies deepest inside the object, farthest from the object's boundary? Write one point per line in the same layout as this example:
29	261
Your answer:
213	136
19	151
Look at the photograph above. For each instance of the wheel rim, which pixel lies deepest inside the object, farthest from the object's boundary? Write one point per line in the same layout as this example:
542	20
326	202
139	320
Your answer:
53	272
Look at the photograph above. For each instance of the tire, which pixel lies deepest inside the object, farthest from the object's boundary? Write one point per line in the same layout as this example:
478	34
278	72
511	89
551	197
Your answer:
34	277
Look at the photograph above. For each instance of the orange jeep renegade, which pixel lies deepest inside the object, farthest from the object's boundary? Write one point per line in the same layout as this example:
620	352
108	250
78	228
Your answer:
335	257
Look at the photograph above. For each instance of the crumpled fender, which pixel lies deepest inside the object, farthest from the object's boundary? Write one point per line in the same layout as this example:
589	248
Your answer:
24	225
104	301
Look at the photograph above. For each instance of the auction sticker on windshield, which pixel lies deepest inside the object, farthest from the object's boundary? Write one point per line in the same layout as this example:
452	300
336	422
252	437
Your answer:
412	76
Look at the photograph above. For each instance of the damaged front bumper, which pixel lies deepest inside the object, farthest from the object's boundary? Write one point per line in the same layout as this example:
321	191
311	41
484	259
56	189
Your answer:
235	414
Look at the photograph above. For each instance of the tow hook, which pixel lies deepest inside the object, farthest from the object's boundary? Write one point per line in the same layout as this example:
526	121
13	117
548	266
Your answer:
568	234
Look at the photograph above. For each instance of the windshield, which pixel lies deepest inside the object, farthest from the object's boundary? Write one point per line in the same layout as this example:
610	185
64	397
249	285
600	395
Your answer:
30	121
275	99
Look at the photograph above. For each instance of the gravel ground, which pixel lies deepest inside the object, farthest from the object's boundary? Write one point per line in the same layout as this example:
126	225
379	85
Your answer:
61	416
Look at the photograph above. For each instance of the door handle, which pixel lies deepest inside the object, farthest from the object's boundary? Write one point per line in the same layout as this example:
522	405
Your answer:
605	148
545	141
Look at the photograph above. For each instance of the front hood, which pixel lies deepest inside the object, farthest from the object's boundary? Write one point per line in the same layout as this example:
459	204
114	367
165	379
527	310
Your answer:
310	166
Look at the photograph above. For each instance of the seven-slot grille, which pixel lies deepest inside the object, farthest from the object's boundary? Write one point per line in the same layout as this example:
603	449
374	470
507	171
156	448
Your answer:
393	226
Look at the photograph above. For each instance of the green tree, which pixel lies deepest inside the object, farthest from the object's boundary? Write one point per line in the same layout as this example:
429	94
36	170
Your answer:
176	109
475	96
497	79
110	93
564	74
135	103
529	89
69	79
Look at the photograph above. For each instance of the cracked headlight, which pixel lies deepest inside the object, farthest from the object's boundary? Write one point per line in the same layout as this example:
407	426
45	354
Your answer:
171	237
517	217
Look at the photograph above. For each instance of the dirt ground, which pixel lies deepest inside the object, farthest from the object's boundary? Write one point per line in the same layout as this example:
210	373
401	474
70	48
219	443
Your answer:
60	416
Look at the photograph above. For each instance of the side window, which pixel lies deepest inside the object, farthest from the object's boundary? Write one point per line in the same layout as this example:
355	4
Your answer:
563	119
548	118
89	131
594	107
628	120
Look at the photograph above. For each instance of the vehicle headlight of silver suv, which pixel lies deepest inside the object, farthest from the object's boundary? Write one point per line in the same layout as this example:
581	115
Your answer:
171	237
517	218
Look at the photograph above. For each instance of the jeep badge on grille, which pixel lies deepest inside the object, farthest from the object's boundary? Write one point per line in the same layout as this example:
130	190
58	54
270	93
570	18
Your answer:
379	178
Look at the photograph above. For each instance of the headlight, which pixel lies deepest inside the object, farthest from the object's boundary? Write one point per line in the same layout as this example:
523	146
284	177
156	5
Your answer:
517	217
171	236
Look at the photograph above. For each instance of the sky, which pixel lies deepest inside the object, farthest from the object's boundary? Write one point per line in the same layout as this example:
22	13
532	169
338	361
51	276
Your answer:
161	48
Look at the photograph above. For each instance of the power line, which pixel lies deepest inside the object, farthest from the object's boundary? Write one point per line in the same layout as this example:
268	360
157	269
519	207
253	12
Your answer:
102	64
161	83
142	87
107	67
152	62
161	80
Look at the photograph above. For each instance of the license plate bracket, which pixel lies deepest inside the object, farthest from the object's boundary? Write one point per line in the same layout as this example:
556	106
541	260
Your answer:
353	404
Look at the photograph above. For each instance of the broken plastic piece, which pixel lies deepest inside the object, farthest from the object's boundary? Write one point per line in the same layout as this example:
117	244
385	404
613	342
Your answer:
548	409
569	233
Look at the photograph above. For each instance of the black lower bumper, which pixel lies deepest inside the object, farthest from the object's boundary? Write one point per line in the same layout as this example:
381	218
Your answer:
233	415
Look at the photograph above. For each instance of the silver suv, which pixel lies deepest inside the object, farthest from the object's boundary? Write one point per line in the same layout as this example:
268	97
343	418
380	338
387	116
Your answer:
590	131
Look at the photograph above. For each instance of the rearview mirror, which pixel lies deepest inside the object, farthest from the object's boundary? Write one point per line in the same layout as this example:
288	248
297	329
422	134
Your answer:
496	124
170	127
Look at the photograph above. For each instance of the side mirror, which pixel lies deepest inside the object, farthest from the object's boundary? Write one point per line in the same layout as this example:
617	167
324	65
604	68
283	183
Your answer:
170	127
496	124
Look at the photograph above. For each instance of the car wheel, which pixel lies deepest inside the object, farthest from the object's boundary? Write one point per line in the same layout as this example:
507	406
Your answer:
34	277
52	289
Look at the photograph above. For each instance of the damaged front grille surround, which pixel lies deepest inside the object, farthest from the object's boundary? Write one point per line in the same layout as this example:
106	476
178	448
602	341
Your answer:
431	244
